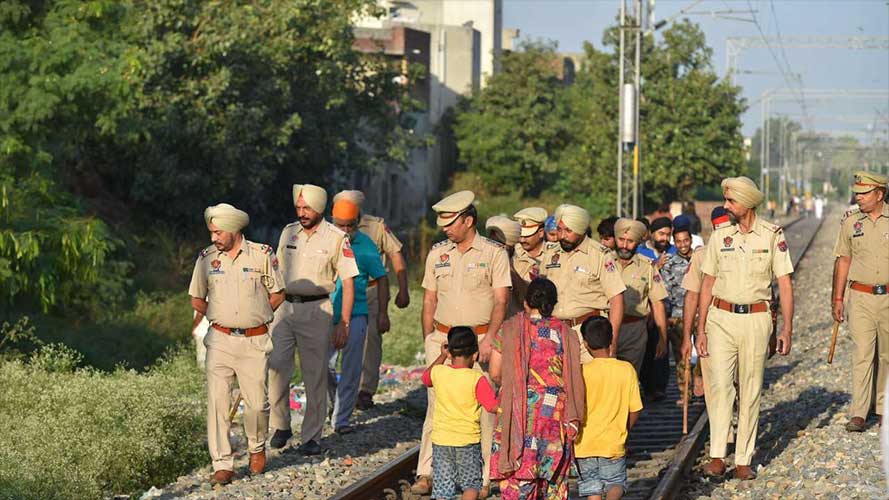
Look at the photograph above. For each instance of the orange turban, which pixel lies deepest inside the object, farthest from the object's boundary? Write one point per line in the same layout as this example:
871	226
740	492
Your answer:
344	209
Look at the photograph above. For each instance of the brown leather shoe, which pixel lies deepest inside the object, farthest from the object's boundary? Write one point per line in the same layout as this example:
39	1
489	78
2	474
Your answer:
222	477
422	486
744	472
716	467
257	462
855	425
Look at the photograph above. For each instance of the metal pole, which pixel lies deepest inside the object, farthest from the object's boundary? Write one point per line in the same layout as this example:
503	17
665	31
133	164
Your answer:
637	70
768	163
762	144
620	107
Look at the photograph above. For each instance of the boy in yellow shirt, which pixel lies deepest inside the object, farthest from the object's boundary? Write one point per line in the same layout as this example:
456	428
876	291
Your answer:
613	405
460	393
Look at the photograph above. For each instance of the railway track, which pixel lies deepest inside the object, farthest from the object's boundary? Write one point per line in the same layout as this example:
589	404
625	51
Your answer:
659	456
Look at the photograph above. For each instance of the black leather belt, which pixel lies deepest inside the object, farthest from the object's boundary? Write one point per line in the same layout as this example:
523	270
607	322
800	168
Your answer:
305	298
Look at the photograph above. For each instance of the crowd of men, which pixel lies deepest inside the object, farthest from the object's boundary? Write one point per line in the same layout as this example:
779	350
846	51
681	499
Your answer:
323	294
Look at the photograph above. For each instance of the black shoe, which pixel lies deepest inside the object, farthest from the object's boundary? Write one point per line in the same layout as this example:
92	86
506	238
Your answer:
365	401
309	448
279	440
346	429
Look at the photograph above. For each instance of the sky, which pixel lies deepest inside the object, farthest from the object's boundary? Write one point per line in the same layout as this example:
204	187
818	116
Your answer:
571	22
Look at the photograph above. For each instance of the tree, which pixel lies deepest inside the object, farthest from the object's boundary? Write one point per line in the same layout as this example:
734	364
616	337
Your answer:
512	133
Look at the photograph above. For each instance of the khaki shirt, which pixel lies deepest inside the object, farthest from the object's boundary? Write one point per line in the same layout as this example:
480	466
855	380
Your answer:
744	264
464	282
380	234
236	293
525	265
586	278
867	242
311	263
694	275
643	284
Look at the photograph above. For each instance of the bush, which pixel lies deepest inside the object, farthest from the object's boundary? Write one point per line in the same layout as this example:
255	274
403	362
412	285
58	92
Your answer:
80	433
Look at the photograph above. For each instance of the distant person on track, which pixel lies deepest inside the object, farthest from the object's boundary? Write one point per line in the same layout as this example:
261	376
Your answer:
536	362
734	325
613	405
237	285
461	393
862	263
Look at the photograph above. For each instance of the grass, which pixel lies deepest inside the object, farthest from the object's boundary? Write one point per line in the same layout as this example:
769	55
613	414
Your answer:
405	338
83	433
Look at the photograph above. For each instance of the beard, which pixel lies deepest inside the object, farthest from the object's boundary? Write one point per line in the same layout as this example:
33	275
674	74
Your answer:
661	246
566	246
625	254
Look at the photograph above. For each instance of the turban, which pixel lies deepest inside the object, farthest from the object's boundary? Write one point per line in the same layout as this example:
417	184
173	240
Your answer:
226	217
574	217
743	190
353	195
681	223
632	228
316	197
550	224
510	228
344	209
660	223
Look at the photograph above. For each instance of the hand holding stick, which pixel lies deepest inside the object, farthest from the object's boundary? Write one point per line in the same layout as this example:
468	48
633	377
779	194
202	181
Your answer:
833	341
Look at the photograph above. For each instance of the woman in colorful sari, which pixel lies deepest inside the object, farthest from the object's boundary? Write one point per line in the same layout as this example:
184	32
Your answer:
536	362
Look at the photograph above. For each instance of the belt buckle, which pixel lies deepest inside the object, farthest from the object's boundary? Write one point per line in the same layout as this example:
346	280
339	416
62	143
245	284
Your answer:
239	332
742	308
879	289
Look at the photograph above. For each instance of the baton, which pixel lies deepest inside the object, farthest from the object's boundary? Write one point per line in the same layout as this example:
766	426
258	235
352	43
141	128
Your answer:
685	396
833	341
234	410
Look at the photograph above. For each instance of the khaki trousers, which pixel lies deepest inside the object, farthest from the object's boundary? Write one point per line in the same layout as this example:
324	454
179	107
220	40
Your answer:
373	345
247	358
432	344
737	343
869	328
585	356
306	328
631	343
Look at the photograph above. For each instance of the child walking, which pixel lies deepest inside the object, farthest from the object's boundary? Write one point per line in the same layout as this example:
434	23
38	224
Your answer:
460	394
612	408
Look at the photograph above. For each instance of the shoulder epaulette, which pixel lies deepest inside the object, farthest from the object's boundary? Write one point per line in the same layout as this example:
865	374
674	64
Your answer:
441	243
493	242
205	252
297	224
551	245
372	218
265	248
336	230
850	212
771	227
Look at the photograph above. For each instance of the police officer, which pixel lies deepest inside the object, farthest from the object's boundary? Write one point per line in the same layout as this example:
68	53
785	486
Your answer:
862	258
529	251
390	250
313	253
644	293
584	273
466	283
243	286
507	232
734	324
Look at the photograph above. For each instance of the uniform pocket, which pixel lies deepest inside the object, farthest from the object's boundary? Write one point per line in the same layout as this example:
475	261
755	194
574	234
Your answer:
443	278
760	264
262	343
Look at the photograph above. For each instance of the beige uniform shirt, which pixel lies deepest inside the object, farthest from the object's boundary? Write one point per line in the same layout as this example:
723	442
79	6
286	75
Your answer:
586	278
744	264
236	293
694	275
525	265
311	264
464	282
867	242
643	283
380	234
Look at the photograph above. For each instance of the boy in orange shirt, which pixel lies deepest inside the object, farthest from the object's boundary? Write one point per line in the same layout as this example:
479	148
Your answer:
613	405
460	393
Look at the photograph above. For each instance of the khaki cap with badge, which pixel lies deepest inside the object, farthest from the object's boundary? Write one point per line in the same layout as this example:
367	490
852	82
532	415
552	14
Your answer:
531	219
868	181
451	206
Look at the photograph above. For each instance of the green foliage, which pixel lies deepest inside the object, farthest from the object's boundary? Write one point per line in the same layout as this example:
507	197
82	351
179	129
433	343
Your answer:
74	434
403	342
528	133
17	336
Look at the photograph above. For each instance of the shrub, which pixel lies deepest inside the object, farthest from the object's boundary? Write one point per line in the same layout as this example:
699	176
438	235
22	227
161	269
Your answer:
81	433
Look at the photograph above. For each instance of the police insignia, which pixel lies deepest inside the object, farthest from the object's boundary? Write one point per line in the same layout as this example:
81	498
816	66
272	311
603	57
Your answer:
444	258
216	263
275	262
727	241
782	245
657	277
555	259
609	266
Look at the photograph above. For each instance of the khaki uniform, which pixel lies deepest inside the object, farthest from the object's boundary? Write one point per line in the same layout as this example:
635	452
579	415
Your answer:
691	281
643	284
867	243
744	265
526	265
464	285
310	265
237	293
386	242
586	278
